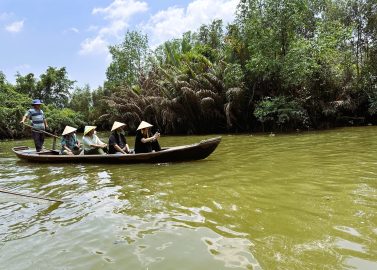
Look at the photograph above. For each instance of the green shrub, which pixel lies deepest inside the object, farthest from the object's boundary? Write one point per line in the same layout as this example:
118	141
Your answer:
59	118
281	112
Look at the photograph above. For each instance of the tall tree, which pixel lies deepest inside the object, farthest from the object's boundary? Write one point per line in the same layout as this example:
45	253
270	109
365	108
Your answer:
54	87
2	79
129	60
26	84
12	108
81	101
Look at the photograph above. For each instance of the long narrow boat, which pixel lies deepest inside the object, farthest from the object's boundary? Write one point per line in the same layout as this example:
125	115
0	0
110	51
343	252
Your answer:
191	152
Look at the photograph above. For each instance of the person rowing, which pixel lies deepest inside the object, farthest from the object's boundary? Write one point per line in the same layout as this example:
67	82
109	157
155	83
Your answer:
117	139
39	123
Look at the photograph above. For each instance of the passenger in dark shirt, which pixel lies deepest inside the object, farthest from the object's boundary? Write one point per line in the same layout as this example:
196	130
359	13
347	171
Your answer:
144	142
117	140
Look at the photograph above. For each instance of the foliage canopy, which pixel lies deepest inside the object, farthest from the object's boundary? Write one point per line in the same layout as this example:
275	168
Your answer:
281	65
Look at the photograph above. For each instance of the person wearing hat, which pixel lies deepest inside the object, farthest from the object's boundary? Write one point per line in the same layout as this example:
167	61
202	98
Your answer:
69	142
92	144
39	122
117	140
144	142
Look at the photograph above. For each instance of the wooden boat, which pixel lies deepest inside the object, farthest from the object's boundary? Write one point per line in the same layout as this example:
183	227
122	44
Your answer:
191	152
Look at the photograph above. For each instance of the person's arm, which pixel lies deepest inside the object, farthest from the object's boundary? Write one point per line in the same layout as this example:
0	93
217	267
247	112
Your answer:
89	143
99	143
119	149
45	121
67	149
77	142
150	139
25	117
127	148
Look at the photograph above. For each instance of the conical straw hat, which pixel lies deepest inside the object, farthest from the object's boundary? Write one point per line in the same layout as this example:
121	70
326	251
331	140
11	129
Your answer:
144	124
88	128
68	130
117	125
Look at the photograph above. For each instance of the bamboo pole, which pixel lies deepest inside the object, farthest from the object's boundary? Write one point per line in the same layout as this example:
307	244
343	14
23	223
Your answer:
43	131
29	195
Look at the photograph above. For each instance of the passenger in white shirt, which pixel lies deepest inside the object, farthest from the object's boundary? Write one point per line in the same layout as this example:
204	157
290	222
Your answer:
92	144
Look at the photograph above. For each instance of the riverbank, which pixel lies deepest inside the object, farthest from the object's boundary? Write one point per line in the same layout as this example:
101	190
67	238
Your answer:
129	135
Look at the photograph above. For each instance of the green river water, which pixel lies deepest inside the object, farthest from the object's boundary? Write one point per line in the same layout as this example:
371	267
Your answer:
298	201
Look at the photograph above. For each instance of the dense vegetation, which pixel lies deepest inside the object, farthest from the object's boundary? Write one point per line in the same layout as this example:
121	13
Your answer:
281	65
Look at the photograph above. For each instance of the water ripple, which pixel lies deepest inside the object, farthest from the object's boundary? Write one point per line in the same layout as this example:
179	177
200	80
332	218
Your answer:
301	201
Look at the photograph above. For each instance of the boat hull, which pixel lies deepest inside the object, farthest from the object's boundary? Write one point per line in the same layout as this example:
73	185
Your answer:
196	151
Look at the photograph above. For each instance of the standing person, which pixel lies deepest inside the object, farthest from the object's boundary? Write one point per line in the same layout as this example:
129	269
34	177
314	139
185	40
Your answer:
69	142
92	144
144	142
117	140
39	122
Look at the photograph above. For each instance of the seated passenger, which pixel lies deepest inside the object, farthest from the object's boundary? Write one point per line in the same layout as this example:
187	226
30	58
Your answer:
92	144
117	140
69	142
144	142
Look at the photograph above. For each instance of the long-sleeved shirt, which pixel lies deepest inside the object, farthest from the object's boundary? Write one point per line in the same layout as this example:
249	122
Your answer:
87	141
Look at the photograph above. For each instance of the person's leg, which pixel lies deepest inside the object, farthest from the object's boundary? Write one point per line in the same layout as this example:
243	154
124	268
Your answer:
96	151
76	151
156	146
34	135
37	141
91	152
65	152
42	139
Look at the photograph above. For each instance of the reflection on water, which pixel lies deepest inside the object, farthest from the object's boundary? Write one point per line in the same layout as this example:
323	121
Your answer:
301	201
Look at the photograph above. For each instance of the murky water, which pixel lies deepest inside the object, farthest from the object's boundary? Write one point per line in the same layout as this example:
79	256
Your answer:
301	201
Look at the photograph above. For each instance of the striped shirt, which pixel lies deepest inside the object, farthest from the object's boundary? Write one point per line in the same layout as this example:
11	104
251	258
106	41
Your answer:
37	118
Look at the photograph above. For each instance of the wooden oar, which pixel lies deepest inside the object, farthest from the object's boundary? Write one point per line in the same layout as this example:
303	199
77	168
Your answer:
42	131
29	196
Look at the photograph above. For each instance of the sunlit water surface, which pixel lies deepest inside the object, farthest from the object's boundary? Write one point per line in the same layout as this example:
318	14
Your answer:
300	201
